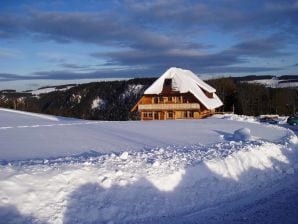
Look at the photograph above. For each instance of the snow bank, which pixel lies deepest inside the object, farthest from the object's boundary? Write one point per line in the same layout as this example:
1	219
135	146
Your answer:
242	134
43	116
118	177
140	186
236	117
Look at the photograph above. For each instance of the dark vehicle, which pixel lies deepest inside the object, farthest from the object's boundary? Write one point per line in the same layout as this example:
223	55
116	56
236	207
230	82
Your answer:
293	120
269	120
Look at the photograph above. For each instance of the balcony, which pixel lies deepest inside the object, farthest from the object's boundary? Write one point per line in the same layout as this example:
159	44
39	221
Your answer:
172	106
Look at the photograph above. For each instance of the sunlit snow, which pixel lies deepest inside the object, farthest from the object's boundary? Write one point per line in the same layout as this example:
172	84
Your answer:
74	171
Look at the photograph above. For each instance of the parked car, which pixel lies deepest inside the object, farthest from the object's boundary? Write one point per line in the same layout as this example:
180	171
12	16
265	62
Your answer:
293	120
269	120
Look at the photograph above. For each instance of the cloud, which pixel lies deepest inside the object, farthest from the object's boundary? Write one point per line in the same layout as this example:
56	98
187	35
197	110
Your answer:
197	61
226	15
238	69
103	29
74	66
168	58
96	28
53	57
151	71
154	35
264	47
10	25
155	23
70	75
10	53
11	77
139	45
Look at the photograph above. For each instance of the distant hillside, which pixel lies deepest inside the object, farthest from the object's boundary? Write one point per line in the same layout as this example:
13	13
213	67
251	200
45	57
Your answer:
271	81
109	100
253	77
112	100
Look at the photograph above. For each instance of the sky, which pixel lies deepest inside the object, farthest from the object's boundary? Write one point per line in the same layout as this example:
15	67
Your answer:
55	41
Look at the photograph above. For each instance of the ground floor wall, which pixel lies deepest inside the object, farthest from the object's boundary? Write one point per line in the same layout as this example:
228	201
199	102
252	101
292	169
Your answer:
174	115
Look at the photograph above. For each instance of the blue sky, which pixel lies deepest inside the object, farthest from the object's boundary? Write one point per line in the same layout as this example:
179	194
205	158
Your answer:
68	40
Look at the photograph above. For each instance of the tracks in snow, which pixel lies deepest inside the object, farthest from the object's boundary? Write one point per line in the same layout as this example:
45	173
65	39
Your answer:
51	125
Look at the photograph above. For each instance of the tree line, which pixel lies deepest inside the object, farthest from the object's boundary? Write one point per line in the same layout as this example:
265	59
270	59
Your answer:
255	99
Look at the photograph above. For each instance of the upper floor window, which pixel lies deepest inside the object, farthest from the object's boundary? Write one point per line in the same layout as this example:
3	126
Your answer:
168	82
161	99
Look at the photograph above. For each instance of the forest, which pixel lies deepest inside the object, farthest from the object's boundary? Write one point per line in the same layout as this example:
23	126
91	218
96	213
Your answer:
116	98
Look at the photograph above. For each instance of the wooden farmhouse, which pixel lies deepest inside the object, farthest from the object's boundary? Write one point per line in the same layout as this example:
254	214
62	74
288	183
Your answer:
177	94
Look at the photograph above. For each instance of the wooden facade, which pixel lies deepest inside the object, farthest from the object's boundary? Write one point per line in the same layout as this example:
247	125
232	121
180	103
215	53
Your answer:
170	105
177	94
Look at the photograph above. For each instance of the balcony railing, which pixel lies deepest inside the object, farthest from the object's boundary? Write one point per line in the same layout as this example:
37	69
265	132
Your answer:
176	106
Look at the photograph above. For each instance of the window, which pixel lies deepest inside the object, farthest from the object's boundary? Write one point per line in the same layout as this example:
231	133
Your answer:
155	100
184	114
170	99
170	115
191	114
161	99
145	114
149	114
168	82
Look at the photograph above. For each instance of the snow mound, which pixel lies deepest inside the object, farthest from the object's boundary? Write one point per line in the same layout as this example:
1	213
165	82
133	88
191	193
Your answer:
43	116
242	134
124	156
236	117
156	184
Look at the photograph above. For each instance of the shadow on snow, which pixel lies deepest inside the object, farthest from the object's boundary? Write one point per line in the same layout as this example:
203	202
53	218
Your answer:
202	196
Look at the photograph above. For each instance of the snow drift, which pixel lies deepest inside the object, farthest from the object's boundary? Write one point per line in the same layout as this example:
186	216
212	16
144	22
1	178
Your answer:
164	184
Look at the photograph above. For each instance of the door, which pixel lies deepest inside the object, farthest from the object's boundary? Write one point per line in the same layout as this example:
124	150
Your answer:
156	116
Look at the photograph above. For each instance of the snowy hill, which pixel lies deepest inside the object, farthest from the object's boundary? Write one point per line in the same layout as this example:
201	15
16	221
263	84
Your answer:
272	81
58	170
49	89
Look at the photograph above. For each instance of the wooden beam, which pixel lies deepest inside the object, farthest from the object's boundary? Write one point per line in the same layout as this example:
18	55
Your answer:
136	105
142	116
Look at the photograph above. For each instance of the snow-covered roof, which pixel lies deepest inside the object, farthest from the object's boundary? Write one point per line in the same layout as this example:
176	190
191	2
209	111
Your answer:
185	81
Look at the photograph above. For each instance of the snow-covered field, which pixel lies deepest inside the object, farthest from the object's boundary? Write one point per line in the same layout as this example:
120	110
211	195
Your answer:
224	169
49	89
275	83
